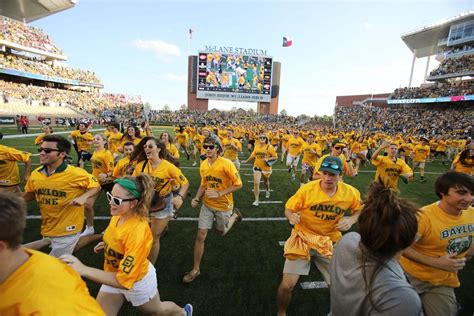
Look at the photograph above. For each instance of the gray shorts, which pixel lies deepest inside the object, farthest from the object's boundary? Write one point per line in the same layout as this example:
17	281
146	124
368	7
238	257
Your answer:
207	215
437	300
167	211
63	245
302	267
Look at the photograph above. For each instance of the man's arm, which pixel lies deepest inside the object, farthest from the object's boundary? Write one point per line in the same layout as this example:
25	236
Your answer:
447	262
346	222
27	170
293	217
28	196
81	200
378	150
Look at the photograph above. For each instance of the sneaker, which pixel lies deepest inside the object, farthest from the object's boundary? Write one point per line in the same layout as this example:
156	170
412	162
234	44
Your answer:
189	276
267	194
188	309
422	180
255	203
88	231
194	164
289	169
239	215
293	177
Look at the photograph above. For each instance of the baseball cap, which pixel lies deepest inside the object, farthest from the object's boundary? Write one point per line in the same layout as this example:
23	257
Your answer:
338	142
332	165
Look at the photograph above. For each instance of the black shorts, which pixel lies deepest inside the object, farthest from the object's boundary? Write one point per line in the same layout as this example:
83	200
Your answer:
84	155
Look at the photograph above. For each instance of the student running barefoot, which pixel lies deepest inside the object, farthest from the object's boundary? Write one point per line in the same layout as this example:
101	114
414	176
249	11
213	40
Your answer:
127	274
366	277
153	159
31	282
263	153
219	178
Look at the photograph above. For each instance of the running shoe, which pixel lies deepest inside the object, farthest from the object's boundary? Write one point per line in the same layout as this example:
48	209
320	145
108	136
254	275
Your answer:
194	164
88	231
267	194
255	203
188	308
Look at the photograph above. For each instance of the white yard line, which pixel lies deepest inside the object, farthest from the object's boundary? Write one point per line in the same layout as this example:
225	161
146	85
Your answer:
314	285
190	219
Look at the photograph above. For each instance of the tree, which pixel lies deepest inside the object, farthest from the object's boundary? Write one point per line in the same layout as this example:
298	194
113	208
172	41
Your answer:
283	112
183	107
166	108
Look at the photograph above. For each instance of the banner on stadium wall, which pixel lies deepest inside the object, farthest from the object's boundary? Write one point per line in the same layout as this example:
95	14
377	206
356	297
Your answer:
433	100
7	120
37	76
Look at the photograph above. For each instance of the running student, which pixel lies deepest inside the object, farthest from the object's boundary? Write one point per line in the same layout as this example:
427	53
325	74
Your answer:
232	147
311	153
442	244
31	282
219	179
464	161
61	191
125	166
9	171
366	277
153	159
420	155
338	149
295	145
317	211
83	141
390	168
264	154
128	274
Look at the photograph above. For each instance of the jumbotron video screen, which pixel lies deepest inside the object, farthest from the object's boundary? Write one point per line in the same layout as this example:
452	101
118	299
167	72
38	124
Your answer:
234	77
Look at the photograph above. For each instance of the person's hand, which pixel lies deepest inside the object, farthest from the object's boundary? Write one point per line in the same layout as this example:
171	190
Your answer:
344	224
294	218
212	194
194	202
79	201
74	263
450	263
25	178
99	247
385	144
177	201
102	177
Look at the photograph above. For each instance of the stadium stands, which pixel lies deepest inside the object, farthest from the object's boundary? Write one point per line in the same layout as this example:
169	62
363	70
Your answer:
23	34
463	65
456	88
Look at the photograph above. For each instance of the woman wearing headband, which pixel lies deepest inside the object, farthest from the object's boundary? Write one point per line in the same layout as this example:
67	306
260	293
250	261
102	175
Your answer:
127	274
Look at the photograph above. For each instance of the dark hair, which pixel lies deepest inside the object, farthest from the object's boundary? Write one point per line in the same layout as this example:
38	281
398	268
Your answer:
126	136
1	135
145	186
139	155
463	156
387	225
12	219
128	144
453	179
115	125
62	143
213	139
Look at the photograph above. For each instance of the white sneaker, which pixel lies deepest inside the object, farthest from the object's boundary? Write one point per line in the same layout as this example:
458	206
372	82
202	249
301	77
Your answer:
267	194
255	203
88	231
194	164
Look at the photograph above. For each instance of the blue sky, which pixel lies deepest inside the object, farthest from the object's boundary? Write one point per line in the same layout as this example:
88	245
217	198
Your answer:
343	47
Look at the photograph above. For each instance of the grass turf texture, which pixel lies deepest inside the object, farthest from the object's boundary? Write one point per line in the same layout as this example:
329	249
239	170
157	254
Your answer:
240	272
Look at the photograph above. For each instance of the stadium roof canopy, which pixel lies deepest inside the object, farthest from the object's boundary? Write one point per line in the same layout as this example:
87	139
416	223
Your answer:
32	10
424	42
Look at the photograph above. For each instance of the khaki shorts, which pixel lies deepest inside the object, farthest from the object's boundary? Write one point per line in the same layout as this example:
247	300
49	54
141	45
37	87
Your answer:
142	291
207	215
302	267
436	299
292	161
63	245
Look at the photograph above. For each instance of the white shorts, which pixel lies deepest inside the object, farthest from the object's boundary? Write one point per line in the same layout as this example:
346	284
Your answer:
142	291
207	215
302	267
63	245
167	211
292	160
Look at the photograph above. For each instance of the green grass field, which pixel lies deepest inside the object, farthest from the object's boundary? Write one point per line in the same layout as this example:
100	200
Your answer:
240	272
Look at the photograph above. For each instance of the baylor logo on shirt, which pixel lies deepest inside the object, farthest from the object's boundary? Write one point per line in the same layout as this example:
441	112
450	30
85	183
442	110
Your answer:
459	245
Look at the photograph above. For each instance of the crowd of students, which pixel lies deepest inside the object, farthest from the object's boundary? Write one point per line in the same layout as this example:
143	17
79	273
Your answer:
436	90
26	35
41	67
140	176
457	66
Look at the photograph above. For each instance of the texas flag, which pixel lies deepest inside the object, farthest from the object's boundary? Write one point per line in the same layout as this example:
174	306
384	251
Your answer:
287	42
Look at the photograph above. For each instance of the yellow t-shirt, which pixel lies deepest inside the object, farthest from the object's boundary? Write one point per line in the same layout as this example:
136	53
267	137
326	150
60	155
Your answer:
102	162
54	194
83	140
173	150
260	153
43	285
123	168
114	142
229	151
440	234
388	171
464	168
421	153
309	157
39	139
198	141
284	140
295	145
162	175
126	250
319	212
219	176
9	172
356	147
182	138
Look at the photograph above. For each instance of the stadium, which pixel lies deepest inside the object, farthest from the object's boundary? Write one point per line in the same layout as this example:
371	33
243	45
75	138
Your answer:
241	272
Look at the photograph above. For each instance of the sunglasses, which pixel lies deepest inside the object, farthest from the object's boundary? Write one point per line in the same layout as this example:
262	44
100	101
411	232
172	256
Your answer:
148	146
116	200
263	137
211	147
330	165
47	150
338	148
